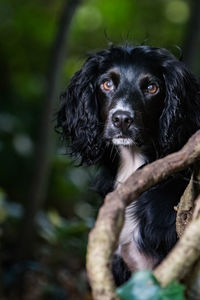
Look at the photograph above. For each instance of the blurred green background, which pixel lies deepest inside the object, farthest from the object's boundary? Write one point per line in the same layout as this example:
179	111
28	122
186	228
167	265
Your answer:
46	207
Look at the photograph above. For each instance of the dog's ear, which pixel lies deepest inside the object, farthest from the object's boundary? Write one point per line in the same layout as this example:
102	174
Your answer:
181	114
78	117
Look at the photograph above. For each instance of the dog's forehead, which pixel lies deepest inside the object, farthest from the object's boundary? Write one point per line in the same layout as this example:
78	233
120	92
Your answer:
132	70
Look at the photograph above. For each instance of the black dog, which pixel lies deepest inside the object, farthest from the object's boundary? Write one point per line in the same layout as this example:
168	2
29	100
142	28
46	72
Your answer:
127	107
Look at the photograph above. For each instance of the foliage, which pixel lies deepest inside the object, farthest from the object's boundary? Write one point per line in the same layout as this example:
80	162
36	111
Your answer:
144	286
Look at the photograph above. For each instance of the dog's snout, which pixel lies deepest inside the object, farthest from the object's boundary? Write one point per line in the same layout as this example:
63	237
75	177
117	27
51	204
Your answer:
122	119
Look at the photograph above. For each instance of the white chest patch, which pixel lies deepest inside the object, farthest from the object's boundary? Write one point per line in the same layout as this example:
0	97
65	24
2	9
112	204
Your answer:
130	160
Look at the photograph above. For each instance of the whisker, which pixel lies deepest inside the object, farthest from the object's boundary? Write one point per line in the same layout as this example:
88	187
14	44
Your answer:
111	152
116	152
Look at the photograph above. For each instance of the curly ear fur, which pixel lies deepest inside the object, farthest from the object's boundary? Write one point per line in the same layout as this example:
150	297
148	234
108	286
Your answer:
78	117
175	117
180	117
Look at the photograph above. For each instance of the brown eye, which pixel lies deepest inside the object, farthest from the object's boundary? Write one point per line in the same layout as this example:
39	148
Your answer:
107	85
152	88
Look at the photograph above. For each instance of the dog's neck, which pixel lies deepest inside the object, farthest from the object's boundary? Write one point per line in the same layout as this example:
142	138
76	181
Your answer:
130	160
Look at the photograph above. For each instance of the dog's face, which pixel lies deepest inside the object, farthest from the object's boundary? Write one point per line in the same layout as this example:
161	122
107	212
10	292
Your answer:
131	99
128	95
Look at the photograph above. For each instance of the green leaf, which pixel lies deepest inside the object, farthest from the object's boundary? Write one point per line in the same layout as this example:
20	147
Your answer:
144	286
173	291
141	286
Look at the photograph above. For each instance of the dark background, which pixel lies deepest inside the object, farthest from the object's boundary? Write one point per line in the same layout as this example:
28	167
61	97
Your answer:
46	208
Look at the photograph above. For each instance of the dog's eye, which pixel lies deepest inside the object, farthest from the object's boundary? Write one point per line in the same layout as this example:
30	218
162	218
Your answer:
152	88
107	85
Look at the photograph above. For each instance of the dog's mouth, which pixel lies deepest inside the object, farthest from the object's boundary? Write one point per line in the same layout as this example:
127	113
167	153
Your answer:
122	141
119	138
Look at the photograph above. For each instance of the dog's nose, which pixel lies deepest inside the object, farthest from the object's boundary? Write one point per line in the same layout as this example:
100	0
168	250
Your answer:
122	119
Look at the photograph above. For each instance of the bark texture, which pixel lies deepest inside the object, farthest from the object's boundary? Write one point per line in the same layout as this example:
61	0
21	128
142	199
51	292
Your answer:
179	261
185	208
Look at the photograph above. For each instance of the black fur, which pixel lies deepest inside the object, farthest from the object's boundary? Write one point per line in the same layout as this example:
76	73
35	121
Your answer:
157	123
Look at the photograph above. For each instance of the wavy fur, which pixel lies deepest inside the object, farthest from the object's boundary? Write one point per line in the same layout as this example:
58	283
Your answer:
110	105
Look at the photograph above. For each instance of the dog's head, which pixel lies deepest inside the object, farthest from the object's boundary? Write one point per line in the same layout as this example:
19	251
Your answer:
139	96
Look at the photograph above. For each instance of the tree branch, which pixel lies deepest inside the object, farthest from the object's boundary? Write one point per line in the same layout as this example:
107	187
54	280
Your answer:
179	261
104	236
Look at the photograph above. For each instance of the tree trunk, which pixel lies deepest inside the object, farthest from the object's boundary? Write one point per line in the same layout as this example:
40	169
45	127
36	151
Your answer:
192	39
44	145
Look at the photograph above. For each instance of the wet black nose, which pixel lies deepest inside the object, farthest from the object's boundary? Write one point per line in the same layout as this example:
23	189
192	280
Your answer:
122	119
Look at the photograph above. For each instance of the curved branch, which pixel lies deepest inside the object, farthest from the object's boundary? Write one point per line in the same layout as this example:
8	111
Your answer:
104	236
179	261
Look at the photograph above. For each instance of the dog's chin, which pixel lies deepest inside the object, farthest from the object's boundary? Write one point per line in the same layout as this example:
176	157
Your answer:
122	141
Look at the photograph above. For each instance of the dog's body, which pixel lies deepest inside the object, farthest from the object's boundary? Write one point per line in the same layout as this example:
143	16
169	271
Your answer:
125	108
